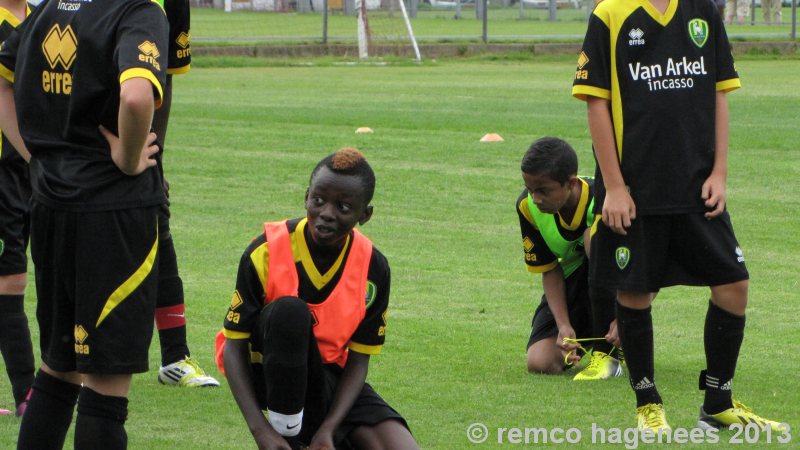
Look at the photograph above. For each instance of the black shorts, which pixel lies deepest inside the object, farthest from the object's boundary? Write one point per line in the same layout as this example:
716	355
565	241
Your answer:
543	324
369	408
667	250
96	280
15	194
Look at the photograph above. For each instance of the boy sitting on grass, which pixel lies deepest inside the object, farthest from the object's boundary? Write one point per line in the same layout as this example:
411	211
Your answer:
308	311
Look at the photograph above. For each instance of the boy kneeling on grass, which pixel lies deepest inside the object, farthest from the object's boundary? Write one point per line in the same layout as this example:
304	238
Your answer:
308	311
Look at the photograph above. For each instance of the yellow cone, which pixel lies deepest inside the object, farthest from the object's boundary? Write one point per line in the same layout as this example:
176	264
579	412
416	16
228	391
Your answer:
363	130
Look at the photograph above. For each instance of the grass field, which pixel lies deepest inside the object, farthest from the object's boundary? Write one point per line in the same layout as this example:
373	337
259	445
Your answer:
241	145
215	27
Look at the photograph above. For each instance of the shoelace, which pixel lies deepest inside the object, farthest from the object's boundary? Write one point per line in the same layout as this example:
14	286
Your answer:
653	417
195	366
581	348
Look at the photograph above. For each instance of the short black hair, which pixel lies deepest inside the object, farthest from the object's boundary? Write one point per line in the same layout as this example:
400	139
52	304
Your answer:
349	161
551	157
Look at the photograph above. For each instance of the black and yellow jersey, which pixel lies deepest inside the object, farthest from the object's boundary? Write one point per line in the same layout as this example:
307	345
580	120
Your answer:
67	62
180	49
9	22
539	257
314	287
661	73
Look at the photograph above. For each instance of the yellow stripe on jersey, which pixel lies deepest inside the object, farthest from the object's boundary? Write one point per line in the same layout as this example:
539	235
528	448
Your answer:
135	280
582	91
364	349
256	357
138	72
729	85
179	70
662	19
542	269
8	16
7	74
230	334
316	278
260	259
526	212
580	210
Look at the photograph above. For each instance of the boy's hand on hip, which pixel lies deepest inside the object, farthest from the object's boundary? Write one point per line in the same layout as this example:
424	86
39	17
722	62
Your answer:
713	193
618	210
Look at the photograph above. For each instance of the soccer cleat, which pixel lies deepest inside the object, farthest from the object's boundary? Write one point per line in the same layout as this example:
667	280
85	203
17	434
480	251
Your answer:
738	414
186	373
652	417
601	366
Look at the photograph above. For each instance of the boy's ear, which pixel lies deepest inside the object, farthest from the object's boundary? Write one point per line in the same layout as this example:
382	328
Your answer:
305	197
366	216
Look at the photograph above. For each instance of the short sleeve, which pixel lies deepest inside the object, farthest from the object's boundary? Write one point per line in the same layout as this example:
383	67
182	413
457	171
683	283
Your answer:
141	46
8	56
248	296
371	332
593	71
537	255
180	47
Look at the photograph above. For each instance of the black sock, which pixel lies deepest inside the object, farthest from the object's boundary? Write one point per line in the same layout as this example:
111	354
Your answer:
170	309
49	414
723	337
101	422
603	301
16	346
636	333
287	325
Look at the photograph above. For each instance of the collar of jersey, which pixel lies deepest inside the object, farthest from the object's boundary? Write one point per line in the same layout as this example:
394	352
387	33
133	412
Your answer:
580	210
318	280
662	19
8	16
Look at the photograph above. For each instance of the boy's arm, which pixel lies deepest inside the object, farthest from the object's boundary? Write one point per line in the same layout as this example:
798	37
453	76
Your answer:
8	118
237	371
555	292
713	191
350	384
133	150
618	207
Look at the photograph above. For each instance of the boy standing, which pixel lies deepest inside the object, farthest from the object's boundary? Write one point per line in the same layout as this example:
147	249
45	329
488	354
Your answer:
654	74
94	71
308	311
178	368
15	191
555	216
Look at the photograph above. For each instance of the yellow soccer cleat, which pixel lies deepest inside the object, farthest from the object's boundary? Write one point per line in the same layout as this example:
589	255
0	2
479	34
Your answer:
601	366
740	414
652	417
185	373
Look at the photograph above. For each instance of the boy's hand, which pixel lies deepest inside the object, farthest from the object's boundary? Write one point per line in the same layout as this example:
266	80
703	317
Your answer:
567	348
613	335
322	440
146	159
713	193
618	210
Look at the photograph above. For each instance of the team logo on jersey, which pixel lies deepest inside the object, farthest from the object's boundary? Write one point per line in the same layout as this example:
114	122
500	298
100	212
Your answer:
60	47
2	246
527	244
580	72
623	257
80	338
636	36
183	40
372	292
236	300
149	54
698	31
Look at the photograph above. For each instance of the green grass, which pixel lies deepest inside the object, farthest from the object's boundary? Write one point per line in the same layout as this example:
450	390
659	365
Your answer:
242	143
214	27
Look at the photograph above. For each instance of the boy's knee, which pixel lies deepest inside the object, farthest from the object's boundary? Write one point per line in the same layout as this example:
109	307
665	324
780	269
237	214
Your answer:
287	317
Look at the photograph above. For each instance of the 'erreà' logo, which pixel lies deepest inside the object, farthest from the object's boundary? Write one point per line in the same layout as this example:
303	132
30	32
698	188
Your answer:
149	54
623	257
698	31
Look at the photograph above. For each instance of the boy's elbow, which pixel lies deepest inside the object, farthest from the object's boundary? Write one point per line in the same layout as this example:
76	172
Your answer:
136	96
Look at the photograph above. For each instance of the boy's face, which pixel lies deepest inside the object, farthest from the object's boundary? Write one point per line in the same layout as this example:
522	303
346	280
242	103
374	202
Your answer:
335	203
548	194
